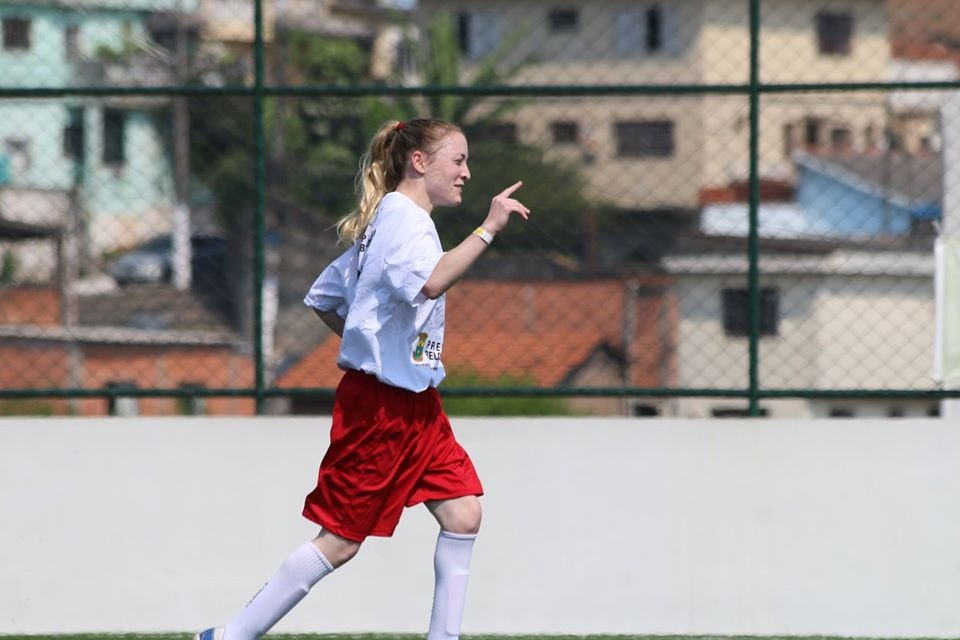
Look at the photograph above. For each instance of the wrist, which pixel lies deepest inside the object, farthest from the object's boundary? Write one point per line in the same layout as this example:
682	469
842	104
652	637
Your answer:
484	234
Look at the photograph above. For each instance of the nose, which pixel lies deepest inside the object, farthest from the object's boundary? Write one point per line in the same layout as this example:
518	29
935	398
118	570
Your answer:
466	172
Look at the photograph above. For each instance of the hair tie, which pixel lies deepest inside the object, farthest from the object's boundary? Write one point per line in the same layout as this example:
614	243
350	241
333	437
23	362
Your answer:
401	125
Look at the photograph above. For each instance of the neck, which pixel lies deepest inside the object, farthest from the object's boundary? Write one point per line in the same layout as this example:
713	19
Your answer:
416	191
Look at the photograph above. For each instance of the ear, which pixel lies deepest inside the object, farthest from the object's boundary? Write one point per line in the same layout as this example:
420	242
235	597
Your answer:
418	160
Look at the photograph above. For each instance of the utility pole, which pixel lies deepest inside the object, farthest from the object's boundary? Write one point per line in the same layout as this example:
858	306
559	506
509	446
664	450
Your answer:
182	258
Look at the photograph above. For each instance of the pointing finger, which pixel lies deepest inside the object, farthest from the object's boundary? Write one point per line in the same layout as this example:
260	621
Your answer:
509	190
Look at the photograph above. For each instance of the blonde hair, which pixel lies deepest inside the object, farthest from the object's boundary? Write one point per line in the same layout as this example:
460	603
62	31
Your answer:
382	167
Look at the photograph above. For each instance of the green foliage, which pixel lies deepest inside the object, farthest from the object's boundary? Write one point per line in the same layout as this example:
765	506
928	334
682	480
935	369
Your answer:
8	268
114	55
323	138
222	153
439	64
317	60
553	191
25	407
498	405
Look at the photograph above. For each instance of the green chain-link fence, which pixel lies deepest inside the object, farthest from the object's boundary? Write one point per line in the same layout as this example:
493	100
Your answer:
736	203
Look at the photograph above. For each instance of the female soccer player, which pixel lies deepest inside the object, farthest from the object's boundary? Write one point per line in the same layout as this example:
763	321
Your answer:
391	445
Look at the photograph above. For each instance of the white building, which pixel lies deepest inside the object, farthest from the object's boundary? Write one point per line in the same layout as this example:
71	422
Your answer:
831	320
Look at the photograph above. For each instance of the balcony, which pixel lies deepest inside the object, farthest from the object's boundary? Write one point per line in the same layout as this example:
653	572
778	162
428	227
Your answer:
134	71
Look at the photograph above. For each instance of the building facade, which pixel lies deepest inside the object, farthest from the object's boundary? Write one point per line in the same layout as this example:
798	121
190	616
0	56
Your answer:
658	151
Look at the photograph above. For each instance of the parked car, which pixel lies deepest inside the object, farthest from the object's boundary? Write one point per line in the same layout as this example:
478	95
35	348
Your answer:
153	260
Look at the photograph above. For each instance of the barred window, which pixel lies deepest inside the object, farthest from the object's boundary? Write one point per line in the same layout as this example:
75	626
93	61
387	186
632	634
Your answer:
653	138
113	136
564	21
74	135
736	312
564	132
834	33
16	34
502	131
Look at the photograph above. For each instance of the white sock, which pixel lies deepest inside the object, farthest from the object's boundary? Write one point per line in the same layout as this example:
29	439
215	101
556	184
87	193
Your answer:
293	580
451	563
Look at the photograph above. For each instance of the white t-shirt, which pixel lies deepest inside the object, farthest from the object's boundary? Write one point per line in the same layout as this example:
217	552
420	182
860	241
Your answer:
391	329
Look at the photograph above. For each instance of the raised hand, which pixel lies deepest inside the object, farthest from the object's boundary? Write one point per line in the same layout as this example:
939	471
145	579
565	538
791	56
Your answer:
502	206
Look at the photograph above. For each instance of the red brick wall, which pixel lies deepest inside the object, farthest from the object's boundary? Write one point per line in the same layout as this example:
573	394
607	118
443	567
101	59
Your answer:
46	365
28	305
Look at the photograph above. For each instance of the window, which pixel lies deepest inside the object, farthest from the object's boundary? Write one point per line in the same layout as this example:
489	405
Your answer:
842	412
113	136
652	138
502	132
18	153
646	29
16	34
654	19
811	131
841	138
834	32
894	140
565	132
74	136
788	133
71	42
564	21
895	412
736	312
120	405
479	32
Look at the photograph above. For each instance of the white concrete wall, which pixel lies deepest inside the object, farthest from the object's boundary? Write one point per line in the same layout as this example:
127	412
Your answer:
591	526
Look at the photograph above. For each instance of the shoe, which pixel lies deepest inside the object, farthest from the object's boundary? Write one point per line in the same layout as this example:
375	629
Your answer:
210	634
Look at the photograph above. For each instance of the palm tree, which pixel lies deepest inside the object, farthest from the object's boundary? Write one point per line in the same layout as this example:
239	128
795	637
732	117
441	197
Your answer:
439	65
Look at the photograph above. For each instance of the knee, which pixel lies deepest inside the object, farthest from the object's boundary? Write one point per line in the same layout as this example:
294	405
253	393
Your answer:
465	519
338	551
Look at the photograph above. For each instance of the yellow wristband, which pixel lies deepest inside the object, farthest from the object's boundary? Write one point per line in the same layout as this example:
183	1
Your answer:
483	234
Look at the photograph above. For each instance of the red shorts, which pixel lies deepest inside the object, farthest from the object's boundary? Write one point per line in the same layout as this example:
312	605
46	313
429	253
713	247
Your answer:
389	448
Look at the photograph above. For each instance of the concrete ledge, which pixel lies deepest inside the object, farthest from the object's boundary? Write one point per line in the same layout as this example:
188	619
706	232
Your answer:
847	528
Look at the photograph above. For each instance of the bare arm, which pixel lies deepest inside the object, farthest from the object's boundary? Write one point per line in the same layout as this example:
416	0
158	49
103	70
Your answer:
332	319
458	260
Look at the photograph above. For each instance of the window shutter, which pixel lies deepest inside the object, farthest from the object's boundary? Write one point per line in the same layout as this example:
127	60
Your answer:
630	31
485	32
670	24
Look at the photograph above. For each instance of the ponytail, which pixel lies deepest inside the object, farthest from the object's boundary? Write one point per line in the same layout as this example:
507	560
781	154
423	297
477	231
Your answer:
383	165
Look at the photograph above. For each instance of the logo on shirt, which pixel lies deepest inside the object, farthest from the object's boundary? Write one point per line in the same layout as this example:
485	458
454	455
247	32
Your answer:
366	237
421	345
426	349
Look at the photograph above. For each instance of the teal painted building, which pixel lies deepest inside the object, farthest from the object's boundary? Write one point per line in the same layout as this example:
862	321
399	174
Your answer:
107	158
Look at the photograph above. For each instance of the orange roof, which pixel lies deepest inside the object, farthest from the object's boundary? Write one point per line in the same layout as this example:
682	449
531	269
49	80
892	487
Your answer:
537	330
917	50
544	359
317	369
